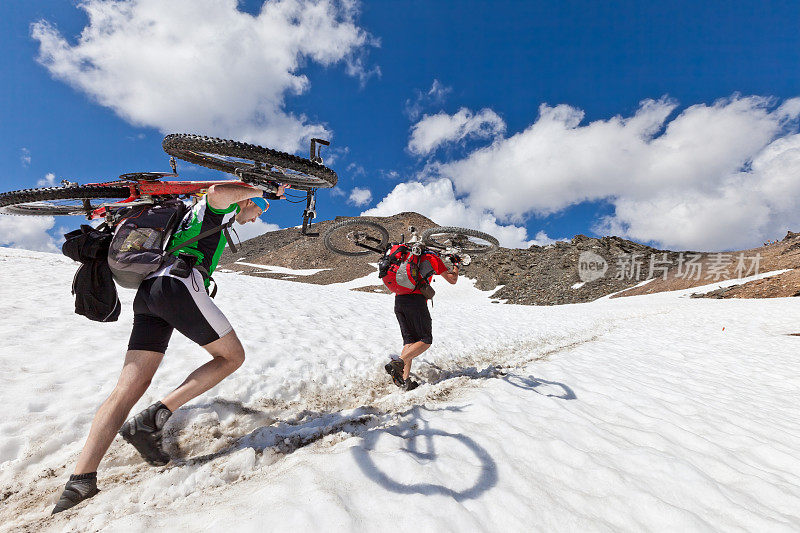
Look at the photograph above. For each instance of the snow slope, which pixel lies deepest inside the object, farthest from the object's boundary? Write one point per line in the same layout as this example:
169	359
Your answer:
629	414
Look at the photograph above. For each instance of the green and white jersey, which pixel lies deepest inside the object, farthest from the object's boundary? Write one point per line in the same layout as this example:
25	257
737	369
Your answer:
201	218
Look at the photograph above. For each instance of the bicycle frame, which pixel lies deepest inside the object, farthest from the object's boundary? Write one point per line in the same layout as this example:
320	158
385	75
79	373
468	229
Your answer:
423	249
144	185
144	189
416	247
371	248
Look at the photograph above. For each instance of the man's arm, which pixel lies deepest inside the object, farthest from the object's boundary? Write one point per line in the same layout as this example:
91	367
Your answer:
452	275
222	195
278	194
440	268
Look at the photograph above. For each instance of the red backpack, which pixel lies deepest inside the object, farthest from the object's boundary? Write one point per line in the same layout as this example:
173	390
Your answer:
399	270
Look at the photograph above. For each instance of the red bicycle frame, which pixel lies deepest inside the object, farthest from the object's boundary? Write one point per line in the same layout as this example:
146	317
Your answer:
145	188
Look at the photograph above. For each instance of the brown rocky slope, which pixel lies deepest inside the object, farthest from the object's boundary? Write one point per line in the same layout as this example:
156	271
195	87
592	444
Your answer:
779	255
539	275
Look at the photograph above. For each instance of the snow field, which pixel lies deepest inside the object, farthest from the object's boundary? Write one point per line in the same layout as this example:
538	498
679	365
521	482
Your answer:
623	415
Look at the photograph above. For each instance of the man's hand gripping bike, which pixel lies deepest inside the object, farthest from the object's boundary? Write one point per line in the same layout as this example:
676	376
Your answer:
254	165
357	237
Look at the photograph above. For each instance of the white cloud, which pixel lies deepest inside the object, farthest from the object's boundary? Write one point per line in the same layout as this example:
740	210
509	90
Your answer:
356	170
390	175
435	130
49	180
359	196
25	157
433	96
355	65
30	233
742	210
542	239
712	177
204	65
437	201
438	91
252	229
331	155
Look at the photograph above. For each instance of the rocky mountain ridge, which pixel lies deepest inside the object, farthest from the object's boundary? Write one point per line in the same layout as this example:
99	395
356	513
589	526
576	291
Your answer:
580	270
540	275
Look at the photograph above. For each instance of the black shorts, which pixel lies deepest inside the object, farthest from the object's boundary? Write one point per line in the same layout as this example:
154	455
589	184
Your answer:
414	318
164	303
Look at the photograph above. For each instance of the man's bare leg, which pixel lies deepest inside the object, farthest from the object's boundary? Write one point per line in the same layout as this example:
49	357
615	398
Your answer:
138	370
410	351
143	431
228	355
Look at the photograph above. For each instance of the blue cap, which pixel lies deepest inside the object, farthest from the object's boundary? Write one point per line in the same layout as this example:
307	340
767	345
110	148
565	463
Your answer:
260	202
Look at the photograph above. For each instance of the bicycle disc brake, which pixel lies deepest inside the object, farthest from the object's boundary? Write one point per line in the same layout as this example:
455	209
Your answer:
357	237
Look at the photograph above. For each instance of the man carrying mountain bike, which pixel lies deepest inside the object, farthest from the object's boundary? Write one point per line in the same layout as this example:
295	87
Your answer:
167	300
411	310
406	268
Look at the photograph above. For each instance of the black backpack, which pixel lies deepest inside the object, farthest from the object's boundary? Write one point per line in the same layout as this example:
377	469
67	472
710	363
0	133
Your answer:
93	286
138	246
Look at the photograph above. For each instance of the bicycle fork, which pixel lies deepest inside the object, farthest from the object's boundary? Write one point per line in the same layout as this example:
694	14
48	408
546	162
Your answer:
309	213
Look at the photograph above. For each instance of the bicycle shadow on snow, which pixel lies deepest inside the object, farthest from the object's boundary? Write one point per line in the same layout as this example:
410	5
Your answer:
284	437
287	426
189	437
551	389
415	429
420	447
370	425
281	436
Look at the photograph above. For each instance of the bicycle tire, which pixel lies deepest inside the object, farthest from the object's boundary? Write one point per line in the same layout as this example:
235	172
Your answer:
429	238
41	202
210	152
329	239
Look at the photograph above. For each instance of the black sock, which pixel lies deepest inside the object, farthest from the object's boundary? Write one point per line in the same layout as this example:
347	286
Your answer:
79	477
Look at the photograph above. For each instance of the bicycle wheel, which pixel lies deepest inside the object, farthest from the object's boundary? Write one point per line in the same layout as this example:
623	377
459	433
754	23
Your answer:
344	237
463	239
252	163
58	201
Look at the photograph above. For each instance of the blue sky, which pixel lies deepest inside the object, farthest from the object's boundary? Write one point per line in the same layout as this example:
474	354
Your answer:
671	123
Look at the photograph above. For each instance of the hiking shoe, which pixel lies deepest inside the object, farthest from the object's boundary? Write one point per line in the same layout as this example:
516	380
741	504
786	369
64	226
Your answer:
395	369
79	487
144	432
411	384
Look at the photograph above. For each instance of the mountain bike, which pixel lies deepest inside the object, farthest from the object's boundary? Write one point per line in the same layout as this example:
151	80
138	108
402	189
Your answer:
357	237
254	165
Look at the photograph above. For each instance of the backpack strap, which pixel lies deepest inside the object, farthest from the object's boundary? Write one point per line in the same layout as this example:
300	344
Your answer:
400	254
212	231
228	237
204	272
421	280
